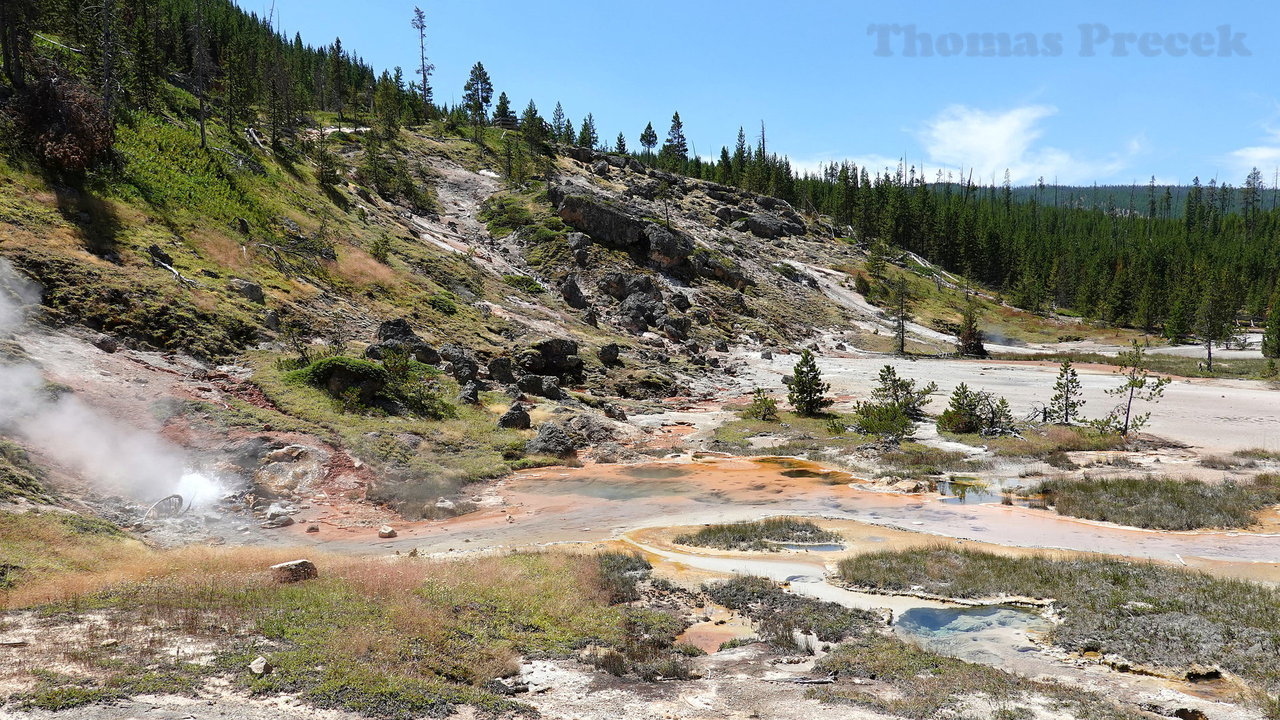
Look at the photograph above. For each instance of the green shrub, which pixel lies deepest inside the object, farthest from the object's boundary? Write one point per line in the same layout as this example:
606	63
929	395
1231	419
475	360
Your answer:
762	407
886	421
444	302
976	412
525	283
504	215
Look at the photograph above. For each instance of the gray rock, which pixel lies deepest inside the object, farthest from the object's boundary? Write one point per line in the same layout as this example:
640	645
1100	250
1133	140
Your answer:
465	368
502	370
397	335
260	666
542	385
770	226
106	343
552	440
601	168
572	294
515	418
250	291
609	353
469	394
294	571
386	532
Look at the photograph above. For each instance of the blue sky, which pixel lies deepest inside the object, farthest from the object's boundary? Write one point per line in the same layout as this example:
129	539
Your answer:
828	87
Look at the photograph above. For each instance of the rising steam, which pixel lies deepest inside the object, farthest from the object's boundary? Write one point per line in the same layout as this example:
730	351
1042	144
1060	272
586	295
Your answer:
116	457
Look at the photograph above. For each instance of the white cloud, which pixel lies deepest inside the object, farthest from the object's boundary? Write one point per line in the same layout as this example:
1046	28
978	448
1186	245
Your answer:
1265	157
989	142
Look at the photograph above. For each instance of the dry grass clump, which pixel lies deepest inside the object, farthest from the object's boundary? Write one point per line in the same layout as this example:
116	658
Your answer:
764	534
1163	503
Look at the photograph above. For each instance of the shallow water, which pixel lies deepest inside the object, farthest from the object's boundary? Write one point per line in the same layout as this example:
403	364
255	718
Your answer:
992	634
968	493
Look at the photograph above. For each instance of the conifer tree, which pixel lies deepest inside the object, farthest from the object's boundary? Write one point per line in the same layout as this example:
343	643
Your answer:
1271	334
419	23
476	95
649	140
620	145
899	311
675	151
587	136
558	120
1215	318
568	136
502	113
1066	401
807	393
1139	385
969	340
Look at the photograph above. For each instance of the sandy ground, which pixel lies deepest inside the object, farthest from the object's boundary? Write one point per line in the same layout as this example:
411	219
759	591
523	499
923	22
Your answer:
1209	414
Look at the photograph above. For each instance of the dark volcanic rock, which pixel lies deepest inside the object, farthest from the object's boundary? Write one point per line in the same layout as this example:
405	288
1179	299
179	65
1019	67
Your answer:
502	370
515	418
572	294
396	335
465	368
609	354
769	226
552	440
469	394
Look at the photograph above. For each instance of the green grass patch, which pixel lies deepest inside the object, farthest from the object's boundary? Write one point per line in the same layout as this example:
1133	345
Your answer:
1146	613
525	283
1246	368
1163	503
764	534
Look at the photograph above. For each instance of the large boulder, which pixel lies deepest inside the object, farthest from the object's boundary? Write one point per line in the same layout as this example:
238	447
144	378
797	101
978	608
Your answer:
290	470
293	571
515	418
248	290
676	327
622	228
572	294
667	248
609	354
545	386
619	285
552	440
469	394
502	370
465	368
771	226
397	335
639	311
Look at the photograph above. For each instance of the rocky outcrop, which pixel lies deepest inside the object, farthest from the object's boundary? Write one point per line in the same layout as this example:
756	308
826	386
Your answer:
463	365
771	226
294	469
397	335
609	354
625	229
